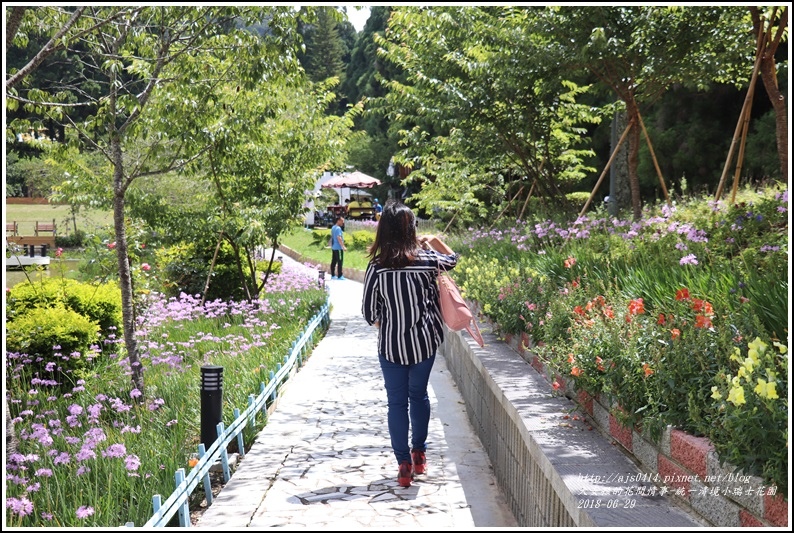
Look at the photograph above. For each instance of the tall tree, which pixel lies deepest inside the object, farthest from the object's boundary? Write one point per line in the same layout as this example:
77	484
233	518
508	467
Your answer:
640	51
141	54
324	46
486	110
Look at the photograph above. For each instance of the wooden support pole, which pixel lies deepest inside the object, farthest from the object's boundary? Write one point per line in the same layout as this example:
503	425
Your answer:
748	99
506	207
609	163
526	202
740	158
653	156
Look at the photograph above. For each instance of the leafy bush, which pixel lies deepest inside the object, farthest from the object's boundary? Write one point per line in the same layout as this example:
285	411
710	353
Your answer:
56	335
360	240
321	237
100	303
72	240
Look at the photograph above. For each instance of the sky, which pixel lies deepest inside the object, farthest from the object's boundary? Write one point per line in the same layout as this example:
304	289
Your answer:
358	17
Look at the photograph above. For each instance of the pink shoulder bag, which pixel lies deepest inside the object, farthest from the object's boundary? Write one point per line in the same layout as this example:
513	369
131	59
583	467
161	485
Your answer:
454	310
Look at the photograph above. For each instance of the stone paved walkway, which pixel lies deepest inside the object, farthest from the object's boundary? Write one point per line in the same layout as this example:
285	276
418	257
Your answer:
324	460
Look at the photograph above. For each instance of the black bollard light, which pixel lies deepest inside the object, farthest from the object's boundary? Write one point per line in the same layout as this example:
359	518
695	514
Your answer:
321	278
211	403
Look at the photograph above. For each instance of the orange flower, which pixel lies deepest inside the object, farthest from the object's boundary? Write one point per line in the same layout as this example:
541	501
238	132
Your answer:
575	283
636	306
608	312
702	321
599	364
193	461
647	369
578	310
571	261
576	371
676	333
682	294
570	358
661	319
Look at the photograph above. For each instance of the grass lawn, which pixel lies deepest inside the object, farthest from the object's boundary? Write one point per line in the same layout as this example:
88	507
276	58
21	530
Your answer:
26	217
301	239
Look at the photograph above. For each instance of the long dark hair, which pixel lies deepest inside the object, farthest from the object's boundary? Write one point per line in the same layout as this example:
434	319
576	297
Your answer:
395	243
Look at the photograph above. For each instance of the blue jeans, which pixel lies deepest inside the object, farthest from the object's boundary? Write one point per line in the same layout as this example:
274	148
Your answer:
406	391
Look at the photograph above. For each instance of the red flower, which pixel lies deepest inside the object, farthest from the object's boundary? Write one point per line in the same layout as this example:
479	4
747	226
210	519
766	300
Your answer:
59	252
636	306
556	385
571	261
682	294
702	321
578	310
676	333
661	319
647	369
608	312
111	245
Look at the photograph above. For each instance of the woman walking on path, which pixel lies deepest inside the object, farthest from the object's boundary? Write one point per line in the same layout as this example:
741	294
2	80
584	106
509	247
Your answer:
401	300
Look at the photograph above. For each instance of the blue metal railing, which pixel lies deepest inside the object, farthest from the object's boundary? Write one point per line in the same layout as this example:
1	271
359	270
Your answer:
178	501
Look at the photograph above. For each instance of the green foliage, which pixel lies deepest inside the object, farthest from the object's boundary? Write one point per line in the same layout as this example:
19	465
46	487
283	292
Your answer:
321	238
55	335
99	303
360	240
648	314
751	396
72	240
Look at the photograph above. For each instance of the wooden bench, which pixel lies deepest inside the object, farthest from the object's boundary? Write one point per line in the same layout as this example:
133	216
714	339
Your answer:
45	227
12	228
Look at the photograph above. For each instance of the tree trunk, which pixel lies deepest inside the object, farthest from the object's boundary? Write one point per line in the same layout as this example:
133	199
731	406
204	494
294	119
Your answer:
778	99
12	444
634	153
125	276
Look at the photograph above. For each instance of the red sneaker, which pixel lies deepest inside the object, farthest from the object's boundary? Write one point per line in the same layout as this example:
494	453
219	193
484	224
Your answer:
405	474
418	458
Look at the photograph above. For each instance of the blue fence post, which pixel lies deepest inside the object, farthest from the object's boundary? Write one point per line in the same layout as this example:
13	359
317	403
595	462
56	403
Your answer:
240	442
184	509
157	503
252	419
272	376
206	479
227	475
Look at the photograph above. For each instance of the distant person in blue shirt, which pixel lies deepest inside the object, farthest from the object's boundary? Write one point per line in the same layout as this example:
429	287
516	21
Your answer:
378	209
338	248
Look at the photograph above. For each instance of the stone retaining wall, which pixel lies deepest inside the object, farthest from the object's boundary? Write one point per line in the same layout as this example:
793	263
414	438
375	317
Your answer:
686	467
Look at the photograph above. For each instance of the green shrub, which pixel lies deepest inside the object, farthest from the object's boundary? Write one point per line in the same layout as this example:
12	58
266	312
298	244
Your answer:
321	237
53	334
100	303
72	240
360	240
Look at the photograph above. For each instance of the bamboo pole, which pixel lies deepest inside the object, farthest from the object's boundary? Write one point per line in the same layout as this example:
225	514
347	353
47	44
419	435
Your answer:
212	266
526	202
506	207
745	110
609	163
653	156
740	159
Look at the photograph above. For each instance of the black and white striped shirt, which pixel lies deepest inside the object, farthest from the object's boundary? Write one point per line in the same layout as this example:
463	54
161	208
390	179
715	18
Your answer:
405	302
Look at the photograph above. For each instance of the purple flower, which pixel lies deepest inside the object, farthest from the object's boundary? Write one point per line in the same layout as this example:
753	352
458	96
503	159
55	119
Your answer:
135	393
689	260
20	506
132	462
44	472
115	450
84	512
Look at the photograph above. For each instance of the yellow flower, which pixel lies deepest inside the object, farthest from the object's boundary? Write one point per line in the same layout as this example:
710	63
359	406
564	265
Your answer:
715	393
736	382
766	389
736	396
781	347
741	372
736	355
